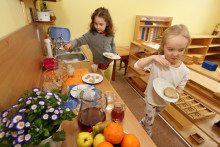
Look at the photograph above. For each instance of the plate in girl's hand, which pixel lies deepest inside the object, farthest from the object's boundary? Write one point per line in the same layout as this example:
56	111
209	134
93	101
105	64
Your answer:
160	85
111	55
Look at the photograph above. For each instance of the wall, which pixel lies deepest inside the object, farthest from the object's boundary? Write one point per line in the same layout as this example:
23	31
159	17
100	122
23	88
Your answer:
199	15
11	17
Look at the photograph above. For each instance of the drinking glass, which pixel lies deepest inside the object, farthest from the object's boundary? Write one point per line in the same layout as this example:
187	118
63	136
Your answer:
117	113
110	97
94	67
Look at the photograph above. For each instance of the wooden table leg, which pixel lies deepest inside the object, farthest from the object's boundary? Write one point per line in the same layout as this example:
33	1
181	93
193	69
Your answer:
113	71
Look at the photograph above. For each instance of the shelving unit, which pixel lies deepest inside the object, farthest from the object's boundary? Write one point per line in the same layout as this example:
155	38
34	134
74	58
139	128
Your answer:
150	28
214	48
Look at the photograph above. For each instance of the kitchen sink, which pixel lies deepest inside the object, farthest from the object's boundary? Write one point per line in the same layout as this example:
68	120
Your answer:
77	55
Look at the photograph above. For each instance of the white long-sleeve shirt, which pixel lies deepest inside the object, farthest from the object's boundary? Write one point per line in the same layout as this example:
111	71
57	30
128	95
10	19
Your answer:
176	76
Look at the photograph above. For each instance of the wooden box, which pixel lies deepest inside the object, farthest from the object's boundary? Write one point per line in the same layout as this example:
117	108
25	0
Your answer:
192	108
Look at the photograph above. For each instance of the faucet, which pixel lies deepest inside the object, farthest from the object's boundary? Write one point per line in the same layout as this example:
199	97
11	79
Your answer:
56	49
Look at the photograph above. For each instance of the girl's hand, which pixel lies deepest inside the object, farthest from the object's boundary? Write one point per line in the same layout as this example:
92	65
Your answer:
162	61
67	46
179	90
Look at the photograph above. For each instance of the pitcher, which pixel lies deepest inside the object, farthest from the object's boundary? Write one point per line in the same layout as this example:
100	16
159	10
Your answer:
92	106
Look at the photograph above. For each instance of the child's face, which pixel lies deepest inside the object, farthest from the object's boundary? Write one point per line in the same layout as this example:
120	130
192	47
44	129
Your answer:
100	24
174	48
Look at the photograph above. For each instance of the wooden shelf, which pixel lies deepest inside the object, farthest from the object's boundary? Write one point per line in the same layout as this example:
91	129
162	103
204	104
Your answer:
214	45
155	20
150	28
44	23
196	46
212	53
153	26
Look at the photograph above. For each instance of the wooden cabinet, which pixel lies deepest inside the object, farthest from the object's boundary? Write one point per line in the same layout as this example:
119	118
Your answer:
138	78
204	46
214	48
150	28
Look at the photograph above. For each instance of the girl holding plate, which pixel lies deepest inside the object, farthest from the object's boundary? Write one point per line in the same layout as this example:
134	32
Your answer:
168	66
100	39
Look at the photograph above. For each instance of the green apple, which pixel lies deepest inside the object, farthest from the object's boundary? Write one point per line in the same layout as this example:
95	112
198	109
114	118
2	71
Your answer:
84	139
99	138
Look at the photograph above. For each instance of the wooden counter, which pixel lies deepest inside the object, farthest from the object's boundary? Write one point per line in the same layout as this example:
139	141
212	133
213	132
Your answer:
130	123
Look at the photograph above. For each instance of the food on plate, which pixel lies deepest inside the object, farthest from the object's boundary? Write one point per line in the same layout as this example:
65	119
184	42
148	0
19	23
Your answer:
99	138
113	133
87	76
130	140
170	92
84	139
92	80
109	55
93	77
97	77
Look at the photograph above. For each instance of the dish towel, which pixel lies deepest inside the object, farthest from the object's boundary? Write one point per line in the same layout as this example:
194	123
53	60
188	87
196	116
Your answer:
77	77
73	102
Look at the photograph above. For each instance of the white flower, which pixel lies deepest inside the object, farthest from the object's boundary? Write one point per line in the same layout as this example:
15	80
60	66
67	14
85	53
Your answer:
14	134
38	93
2	134
41	102
56	111
68	109
45	116
27	137
35	89
56	96
59	103
4	120
22	110
27	102
47	96
21	132
20	99
13	106
17	118
20	125
49	93
51	109
4	114
54	117
37	129
20	138
27	124
34	107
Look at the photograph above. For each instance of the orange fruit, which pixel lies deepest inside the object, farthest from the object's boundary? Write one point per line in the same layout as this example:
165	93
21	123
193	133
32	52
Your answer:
130	140
113	133
105	144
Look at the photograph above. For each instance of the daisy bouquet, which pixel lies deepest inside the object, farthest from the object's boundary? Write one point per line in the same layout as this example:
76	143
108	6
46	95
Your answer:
35	117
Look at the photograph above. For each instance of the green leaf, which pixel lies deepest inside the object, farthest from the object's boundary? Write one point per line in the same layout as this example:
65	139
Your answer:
46	145
31	117
38	122
4	145
59	136
46	132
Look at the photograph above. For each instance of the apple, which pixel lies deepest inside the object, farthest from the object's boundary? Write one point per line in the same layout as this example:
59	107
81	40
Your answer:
99	138
84	139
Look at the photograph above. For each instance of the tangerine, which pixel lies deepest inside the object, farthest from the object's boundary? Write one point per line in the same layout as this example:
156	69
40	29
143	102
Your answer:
130	140
113	133
105	144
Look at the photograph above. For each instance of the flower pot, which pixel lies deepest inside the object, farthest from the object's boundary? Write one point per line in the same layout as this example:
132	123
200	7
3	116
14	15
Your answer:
51	141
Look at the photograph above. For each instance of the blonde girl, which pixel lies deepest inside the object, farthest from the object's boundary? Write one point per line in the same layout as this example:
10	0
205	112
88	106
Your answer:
166	65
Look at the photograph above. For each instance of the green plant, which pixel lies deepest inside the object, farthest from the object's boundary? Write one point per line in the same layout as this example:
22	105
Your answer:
35	117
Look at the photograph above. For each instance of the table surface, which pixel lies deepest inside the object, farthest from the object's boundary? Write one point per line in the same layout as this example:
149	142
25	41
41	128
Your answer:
130	124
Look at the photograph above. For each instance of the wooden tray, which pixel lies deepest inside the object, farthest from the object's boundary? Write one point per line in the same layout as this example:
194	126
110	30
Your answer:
192	108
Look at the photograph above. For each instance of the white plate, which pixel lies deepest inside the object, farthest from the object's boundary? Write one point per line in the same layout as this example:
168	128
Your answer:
96	77
111	55
75	91
159	85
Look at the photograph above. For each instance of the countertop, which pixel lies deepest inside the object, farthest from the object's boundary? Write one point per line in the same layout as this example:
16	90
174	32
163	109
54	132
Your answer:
130	124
